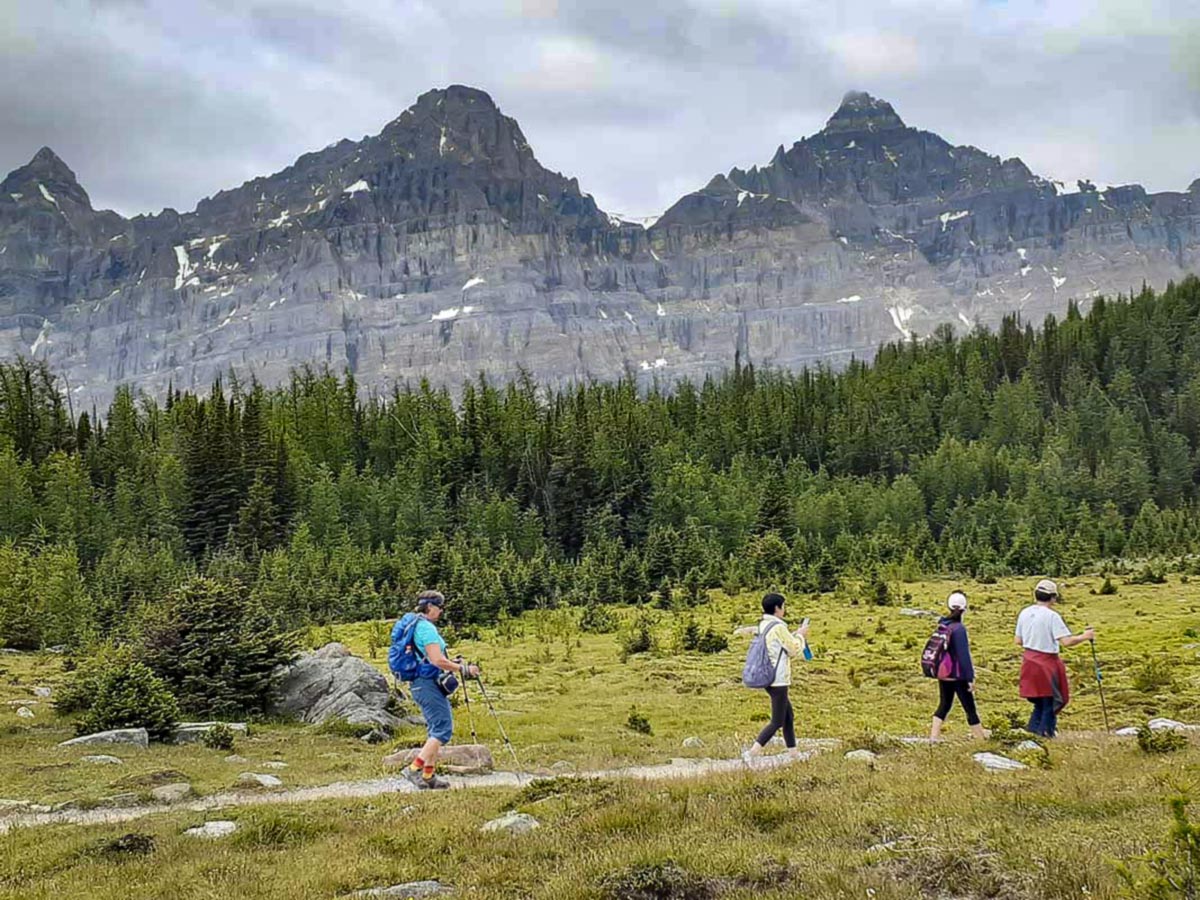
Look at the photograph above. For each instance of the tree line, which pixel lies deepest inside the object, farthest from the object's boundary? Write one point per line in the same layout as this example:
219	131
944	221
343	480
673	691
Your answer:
1022	450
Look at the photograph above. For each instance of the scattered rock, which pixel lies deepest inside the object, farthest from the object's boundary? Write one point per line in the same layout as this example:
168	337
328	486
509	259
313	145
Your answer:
135	736
333	684
172	793
994	762
212	830
66	806
1170	725
914	739
194	732
472	759
275	764
24	712
43	692
8	806
862	756
1027	745
20	702
101	760
1128	731
57	648
375	736
513	823
916	613
236	759
692	743
9	651
413	889
254	779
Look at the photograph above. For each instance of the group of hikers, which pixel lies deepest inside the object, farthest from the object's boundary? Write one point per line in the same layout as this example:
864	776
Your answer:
1040	632
419	656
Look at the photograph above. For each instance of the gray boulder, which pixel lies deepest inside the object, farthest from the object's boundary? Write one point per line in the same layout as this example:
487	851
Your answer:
1161	724
692	743
332	684
254	779
862	756
513	823
994	762
172	793
212	830
137	737
413	890
101	760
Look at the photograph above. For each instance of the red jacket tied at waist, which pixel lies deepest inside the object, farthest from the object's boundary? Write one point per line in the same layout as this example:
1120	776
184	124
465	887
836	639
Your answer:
1045	675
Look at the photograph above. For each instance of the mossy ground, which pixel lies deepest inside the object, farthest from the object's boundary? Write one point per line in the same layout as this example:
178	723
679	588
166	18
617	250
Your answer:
566	696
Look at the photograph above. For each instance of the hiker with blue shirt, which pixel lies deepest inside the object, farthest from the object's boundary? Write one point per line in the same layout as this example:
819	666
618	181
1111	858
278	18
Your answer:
782	646
431	685
956	671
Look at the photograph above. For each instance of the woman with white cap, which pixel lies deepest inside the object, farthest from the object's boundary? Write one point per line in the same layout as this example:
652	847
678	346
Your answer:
956	672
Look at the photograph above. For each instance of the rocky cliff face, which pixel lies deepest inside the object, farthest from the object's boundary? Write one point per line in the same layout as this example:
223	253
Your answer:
441	248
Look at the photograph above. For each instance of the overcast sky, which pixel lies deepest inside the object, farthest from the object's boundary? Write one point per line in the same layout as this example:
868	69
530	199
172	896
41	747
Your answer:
158	103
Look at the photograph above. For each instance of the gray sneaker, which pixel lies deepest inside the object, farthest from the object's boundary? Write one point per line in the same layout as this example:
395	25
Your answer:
436	784
416	778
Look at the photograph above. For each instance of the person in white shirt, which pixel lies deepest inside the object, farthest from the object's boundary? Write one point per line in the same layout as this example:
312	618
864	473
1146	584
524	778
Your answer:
1041	633
782	645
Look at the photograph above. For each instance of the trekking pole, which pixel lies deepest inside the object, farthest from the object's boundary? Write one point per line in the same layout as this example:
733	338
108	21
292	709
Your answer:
500	725
1100	684
470	713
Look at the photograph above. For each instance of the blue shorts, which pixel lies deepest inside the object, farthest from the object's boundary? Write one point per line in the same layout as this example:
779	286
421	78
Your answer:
435	707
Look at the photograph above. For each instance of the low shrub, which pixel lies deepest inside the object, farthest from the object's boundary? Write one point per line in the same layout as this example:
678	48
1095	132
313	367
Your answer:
1108	587
1151	573
219	737
712	642
597	619
1173	871
1165	741
638	722
278	828
637	639
131	696
127	845
1153	675
666	880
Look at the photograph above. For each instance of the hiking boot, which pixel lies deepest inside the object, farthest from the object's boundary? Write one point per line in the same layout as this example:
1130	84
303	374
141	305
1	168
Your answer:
436	784
416	778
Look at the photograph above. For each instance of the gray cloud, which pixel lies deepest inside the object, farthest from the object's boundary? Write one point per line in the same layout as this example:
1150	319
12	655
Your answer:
161	102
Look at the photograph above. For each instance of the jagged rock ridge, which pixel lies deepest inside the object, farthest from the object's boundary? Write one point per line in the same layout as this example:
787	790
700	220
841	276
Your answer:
442	248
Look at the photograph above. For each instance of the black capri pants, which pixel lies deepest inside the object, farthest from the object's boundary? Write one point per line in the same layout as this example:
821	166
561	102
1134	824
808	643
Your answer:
782	717
962	689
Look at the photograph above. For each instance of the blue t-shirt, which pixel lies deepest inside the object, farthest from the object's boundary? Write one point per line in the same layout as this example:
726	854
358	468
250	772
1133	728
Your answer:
426	634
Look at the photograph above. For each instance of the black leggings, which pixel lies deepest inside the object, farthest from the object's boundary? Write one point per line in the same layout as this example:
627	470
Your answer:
963	689
781	717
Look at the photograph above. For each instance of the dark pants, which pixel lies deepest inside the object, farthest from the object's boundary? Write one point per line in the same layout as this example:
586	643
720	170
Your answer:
781	717
948	690
1044	720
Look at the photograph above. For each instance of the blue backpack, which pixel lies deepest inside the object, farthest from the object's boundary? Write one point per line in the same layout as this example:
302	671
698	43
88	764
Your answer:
404	659
759	671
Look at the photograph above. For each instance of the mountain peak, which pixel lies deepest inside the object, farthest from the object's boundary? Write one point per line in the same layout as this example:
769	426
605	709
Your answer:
862	112
48	171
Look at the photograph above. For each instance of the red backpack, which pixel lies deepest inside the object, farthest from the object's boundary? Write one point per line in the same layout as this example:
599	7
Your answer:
935	658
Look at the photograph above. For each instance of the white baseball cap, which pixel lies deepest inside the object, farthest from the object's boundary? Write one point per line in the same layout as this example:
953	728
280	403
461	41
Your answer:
1045	588
957	600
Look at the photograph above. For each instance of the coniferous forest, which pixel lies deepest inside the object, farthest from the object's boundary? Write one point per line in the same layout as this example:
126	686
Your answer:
1030	450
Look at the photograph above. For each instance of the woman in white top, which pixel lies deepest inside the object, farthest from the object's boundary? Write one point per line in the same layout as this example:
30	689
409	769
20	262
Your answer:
782	645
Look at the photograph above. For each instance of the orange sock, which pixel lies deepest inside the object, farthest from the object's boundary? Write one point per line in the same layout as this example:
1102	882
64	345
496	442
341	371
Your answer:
429	771
418	763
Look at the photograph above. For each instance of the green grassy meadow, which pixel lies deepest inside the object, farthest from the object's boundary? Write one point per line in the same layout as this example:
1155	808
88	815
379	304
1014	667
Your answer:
815	829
